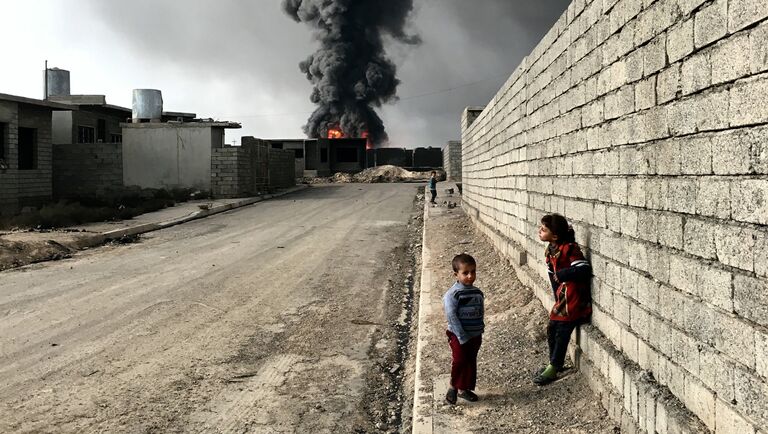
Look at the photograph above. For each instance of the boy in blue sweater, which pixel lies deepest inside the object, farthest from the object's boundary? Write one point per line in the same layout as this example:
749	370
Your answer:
464	310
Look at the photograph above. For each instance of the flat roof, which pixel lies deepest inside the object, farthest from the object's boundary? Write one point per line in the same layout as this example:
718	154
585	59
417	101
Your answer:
191	124
32	101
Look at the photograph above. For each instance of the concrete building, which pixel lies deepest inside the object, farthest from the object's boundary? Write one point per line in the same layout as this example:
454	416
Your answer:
171	154
25	152
452	161
427	158
400	157
324	157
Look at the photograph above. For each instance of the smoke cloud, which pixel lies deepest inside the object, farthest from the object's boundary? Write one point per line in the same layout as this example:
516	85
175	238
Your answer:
351	73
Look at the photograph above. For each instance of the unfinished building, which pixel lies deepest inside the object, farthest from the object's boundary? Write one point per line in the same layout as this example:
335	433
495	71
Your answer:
25	152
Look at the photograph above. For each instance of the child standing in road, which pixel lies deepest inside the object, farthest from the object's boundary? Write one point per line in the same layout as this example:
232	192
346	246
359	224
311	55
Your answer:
433	186
464	310
569	275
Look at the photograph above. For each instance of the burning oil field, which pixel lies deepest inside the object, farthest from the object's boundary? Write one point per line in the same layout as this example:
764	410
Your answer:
350	72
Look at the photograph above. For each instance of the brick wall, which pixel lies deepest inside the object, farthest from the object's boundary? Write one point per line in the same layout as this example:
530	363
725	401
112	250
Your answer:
231	174
452	161
644	122
252	168
35	187
9	187
282	169
87	170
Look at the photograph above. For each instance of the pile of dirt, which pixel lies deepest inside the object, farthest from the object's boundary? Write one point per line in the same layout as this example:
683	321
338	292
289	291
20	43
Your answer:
379	174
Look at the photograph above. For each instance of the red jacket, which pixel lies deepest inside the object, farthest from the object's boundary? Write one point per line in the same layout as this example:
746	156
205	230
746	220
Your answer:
573	301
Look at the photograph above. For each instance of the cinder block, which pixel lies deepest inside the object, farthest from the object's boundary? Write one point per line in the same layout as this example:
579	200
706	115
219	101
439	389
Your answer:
750	397
735	246
711	23
701	401
750	298
668	84
682	274
645	93
714	198
699	236
680	41
735	338
697	154
669	158
679	116
681	195
747	102
758	47
761	353
728	421
742	13
620	103
731	59
728	152
712	110
696	73
749	200
655	55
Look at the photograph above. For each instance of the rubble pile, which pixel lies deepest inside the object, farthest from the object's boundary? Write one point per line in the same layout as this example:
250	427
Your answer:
379	174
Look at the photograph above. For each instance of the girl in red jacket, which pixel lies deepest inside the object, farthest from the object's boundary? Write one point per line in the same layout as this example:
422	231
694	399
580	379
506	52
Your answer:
569	273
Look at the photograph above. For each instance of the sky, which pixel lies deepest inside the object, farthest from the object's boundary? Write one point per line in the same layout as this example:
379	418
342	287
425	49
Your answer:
237	60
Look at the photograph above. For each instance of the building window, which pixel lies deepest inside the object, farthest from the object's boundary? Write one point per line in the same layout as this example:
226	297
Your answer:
323	155
299	153
27	148
85	134
101	130
346	155
3	141
116	138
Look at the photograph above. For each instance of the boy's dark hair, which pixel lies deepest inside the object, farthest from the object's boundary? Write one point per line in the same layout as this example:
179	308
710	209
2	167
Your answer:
434	173
462	259
559	227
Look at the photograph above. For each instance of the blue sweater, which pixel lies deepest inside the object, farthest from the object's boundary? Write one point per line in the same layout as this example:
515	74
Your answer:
464	310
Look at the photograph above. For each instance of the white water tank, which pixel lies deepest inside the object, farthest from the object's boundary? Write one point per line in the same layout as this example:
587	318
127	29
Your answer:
57	81
147	105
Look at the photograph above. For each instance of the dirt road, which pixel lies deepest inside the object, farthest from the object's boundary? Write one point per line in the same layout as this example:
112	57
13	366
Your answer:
279	317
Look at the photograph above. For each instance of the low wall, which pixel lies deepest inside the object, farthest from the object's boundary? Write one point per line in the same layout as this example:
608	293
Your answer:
282	169
452	161
87	170
239	171
645	123
231	174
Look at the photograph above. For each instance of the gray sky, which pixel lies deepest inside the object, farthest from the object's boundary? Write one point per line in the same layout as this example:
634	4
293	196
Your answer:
238	60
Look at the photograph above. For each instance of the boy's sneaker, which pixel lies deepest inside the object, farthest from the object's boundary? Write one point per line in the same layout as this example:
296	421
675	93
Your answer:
450	396
468	395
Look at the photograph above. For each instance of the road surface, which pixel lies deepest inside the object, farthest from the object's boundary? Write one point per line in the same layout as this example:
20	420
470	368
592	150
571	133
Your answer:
262	319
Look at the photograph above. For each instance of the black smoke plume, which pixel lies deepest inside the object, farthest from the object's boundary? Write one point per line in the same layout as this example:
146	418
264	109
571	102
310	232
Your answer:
350	72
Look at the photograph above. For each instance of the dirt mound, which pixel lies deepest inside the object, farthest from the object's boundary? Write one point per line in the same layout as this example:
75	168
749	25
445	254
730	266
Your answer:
379	174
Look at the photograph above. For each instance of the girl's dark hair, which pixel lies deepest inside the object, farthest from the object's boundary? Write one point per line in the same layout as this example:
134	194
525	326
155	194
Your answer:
559	227
462	259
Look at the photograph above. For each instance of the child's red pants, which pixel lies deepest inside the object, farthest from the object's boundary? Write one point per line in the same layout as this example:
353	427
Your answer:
464	361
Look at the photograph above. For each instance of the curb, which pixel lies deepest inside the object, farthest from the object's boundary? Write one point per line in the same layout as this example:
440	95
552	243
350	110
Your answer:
149	227
423	393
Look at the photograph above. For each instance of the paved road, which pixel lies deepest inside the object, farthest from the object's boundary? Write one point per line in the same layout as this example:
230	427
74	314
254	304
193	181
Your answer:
236	323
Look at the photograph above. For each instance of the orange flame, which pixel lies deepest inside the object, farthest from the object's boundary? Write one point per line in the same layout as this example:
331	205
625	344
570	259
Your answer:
335	133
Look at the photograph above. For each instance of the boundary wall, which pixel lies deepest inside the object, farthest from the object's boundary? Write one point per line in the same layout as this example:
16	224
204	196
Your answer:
645	123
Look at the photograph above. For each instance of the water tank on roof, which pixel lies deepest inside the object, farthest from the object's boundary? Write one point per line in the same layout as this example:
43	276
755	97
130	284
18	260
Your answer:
57	81
147	105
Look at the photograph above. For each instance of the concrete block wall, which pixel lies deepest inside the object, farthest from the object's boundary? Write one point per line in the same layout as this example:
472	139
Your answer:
231	174
282	170
87	170
452	161
9	187
645	123
35	187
